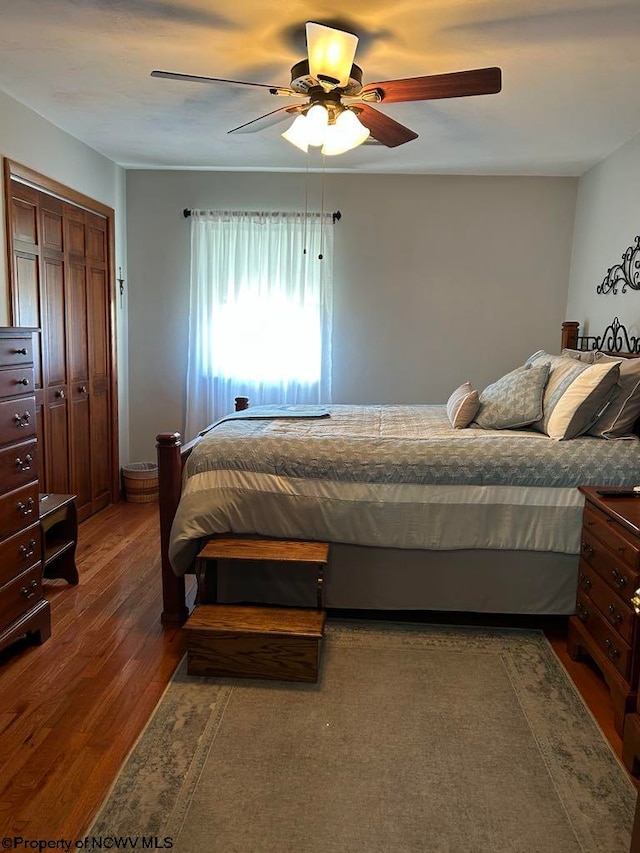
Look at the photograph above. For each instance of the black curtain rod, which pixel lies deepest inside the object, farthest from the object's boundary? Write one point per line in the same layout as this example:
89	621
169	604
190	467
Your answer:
337	216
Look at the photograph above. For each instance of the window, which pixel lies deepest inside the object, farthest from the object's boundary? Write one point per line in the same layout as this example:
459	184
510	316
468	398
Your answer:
260	311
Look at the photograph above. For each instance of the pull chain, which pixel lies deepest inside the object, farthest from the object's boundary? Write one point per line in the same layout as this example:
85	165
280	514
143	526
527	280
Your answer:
321	255
306	206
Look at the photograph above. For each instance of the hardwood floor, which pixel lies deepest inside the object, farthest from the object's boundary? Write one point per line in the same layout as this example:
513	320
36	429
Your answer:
71	709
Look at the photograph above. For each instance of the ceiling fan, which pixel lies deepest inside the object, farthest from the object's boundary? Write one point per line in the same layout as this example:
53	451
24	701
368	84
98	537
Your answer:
338	114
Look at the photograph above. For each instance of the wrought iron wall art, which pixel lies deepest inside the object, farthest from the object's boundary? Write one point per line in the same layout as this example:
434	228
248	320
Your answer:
627	273
615	338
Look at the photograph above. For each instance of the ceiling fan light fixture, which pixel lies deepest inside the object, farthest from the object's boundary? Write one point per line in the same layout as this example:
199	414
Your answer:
297	133
316	124
331	54
345	134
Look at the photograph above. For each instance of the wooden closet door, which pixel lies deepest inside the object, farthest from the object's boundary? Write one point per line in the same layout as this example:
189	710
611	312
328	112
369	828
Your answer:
24	228
57	461
101	427
61	250
78	359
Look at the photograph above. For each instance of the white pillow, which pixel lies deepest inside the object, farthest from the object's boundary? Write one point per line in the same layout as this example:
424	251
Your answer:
463	405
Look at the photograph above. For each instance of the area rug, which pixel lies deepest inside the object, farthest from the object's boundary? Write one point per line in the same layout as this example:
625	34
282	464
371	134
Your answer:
415	738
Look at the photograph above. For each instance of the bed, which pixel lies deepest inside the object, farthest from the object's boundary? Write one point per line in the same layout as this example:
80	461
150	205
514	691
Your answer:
420	515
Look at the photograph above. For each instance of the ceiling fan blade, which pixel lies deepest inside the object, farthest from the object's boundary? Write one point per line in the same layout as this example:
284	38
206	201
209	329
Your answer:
459	84
386	130
194	78
268	119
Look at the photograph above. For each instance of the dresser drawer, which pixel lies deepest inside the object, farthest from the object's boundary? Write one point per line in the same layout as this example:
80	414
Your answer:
16	381
16	351
616	612
17	419
18	465
609	532
18	509
605	639
19	596
19	552
612	570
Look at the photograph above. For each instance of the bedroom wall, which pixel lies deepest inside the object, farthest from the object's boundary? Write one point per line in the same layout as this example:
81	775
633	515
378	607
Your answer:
607	222
437	279
32	141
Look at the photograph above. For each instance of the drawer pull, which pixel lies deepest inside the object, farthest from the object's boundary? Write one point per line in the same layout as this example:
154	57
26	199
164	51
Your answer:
585	583
28	552
83	389
22	420
612	652
614	616
619	581
586	548
22	351
24	464
60	394
26	509
22	382
30	591
583	613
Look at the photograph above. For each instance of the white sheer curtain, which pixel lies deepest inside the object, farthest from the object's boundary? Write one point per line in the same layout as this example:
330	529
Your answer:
260	311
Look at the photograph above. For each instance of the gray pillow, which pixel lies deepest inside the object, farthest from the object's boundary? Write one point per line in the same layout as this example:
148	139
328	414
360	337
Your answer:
462	406
515	400
576	393
623	410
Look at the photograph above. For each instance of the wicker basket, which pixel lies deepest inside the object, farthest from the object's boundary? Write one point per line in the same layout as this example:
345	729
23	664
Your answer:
140	482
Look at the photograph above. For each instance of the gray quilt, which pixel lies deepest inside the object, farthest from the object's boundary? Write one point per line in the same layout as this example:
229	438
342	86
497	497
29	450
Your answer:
409	444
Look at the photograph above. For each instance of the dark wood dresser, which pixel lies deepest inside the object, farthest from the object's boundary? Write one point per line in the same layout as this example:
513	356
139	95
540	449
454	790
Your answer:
23	610
605	626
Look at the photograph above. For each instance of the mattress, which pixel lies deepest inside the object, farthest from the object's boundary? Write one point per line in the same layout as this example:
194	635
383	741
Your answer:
391	477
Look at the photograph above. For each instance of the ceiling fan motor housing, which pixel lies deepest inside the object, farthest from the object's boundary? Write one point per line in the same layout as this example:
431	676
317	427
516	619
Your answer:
303	82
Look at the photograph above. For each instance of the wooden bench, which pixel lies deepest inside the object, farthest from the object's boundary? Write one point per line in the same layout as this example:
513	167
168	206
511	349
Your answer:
241	641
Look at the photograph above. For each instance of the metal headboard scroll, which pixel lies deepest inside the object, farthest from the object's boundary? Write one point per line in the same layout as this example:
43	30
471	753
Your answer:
615	338
628	272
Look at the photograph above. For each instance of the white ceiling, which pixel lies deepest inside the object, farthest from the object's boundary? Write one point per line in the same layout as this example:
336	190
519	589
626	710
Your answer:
571	74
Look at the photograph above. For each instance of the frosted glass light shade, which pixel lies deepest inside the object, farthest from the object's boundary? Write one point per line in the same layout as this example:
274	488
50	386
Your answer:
347	133
316	124
297	133
331	53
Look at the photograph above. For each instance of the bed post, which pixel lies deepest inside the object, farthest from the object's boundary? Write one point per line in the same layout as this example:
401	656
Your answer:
570	334
174	608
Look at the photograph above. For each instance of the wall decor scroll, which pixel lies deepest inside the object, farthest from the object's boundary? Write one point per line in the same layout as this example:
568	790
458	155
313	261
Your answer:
627	273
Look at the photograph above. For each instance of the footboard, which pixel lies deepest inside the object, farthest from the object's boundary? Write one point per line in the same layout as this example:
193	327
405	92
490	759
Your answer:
172	456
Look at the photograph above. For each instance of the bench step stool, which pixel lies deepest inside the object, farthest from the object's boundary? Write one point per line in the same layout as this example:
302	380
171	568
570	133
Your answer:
239	641
235	641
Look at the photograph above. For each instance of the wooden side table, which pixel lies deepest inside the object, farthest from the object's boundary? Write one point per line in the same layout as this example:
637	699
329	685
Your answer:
59	531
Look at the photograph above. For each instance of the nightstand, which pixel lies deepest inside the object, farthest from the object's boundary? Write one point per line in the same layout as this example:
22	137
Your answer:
59	531
605	626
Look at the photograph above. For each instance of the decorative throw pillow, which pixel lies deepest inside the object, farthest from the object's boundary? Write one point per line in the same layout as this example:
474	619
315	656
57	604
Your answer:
576	394
590	356
620	416
515	400
462	406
